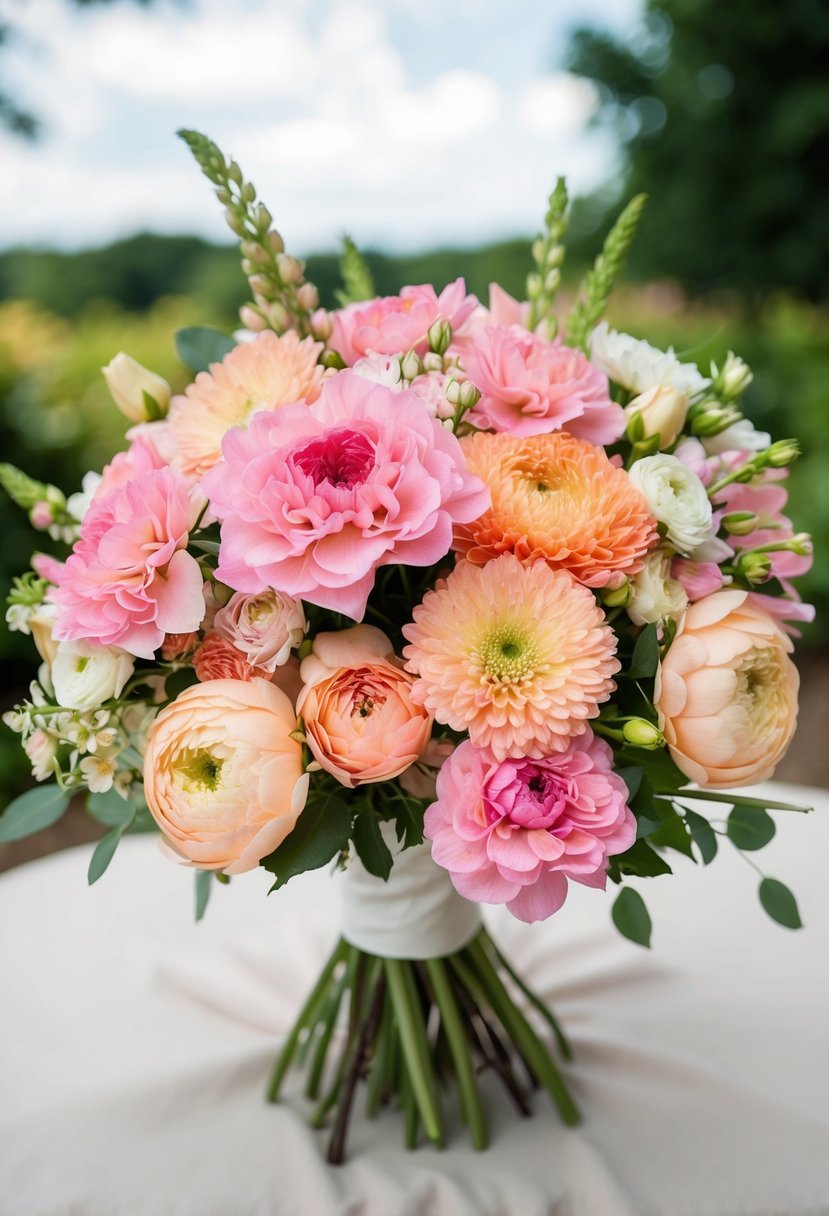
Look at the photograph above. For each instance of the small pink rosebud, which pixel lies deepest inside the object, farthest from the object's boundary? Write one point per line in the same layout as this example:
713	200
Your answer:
41	516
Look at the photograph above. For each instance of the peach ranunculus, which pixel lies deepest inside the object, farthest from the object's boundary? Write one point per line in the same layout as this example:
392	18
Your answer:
223	774
218	659
360	720
265	627
726	692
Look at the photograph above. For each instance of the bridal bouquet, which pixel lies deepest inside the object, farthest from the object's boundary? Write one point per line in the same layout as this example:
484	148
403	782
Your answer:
467	605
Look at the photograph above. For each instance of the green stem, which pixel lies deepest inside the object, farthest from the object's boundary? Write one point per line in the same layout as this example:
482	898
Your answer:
378	1078
522	1034
459	1048
739	800
549	1018
323	1031
308	1015
415	1045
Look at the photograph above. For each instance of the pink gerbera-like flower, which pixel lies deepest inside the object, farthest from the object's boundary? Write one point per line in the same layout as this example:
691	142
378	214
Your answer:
312	501
517	655
514	831
529	386
129	579
263	374
391	325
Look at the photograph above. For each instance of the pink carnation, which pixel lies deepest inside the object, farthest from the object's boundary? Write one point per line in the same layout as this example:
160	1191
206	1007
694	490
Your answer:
391	325
530	387
514	831
314	499
698	579
140	457
129	579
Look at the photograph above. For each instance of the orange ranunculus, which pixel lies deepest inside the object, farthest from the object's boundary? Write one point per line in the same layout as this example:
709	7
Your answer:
360	720
726	692
223	775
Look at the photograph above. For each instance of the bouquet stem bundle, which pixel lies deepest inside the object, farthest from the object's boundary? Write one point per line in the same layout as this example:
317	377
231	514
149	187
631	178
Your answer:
413	1028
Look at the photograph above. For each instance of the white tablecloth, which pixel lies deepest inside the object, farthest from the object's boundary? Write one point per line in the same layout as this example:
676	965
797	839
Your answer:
136	1044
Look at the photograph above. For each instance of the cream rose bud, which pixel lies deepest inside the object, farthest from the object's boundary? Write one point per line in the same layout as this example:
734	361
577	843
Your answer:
265	627
360	721
128	381
41	623
655	595
726	692
677	498
84	674
662	411
223	774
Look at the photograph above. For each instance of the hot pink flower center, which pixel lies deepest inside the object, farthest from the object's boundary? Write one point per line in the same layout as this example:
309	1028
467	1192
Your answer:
341	457
526	795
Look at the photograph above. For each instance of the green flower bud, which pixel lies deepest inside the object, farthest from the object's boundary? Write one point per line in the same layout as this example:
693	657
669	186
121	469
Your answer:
754	567
439	335
782	453
638	732
740	523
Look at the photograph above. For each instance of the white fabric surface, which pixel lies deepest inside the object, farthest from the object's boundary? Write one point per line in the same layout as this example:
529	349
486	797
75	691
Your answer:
417	913
136	1047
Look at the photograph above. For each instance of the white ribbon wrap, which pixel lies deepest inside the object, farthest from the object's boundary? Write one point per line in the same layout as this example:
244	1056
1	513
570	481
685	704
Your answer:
416	914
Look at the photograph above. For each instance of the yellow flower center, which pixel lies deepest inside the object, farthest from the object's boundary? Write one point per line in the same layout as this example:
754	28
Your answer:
760	689
200	771
507	654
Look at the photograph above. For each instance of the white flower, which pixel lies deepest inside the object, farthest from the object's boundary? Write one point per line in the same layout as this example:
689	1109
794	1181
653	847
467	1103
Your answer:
79	503
638	366
84	674
381	369
41	748
98	772
739	437
128	381
17	617
662	411
677	498
654	594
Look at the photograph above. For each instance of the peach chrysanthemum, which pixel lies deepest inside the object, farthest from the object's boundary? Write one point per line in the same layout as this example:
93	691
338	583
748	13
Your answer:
559	500
260	375
518	655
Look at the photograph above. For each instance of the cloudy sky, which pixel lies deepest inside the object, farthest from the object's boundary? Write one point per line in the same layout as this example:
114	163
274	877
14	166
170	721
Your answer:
404	122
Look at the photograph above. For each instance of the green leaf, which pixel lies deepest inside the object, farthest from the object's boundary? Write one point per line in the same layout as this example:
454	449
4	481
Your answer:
768	804
640	859
103	855
408	819
703	836
204	885
632	776
31	812
645	825
631	917
198	346
750	827
672	832
177	681
322	831
779	903
357	281
657	766
645	658
371	848
110	809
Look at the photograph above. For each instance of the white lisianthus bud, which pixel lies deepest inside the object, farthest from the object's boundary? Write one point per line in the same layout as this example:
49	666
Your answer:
655	596
662	411
738	437
131	385
732	379
84	674
677	498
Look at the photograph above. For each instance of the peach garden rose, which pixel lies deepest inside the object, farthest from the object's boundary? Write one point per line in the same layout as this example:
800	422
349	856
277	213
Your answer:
726	692
223	773
360	720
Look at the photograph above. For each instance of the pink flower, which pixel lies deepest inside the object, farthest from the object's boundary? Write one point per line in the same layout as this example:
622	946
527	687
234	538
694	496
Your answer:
391	325
530	387
360	720
766	500
313	500
129	579
265	628
216	659
48	567
698	578
513	831
141	457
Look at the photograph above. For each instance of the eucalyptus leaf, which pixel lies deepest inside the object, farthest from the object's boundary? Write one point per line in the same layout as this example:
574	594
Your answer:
198	346
703	836
110	809
645	659
371	848
203	886
103	854
750	827
321	832
780	903
36	809
631	917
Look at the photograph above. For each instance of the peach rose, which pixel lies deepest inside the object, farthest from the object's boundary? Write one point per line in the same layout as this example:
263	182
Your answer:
217	659
726	692
360	721
223	775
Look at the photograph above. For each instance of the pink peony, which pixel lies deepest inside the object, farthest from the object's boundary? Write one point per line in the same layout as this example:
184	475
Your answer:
360	720
129	579
513	831
313	500
530	387
265	628
392	325
141	457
